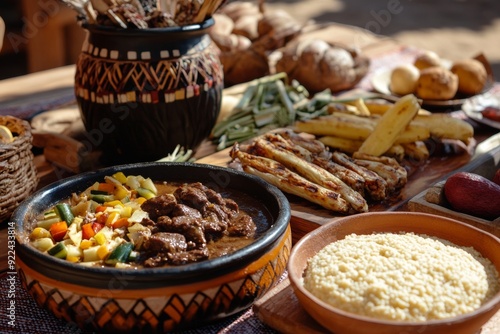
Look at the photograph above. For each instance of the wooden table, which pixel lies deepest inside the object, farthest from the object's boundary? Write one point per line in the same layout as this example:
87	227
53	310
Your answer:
29	95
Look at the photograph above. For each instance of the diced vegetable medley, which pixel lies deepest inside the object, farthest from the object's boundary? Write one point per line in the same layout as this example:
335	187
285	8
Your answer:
98	226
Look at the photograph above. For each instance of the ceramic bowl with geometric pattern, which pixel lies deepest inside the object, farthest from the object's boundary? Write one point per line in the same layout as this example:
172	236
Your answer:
155	300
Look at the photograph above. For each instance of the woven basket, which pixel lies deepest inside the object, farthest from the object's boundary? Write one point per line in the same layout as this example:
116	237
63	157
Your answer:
18	177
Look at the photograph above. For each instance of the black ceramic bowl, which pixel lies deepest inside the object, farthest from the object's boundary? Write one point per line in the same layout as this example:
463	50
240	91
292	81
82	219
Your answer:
155	300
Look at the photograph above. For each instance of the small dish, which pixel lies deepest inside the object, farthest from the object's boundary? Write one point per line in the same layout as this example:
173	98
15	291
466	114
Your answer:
475	105
432	200
342	322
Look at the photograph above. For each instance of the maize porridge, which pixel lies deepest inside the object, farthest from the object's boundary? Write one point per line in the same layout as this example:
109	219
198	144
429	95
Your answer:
405	277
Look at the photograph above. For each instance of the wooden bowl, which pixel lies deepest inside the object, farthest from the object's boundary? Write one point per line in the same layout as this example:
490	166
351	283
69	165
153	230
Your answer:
162	299
339	321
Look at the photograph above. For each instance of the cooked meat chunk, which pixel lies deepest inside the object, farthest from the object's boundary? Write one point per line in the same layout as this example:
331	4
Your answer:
154	261
190	227
212	196
213	229
189	256
216	213
192	196
148	222
183	225
184	210
231	205
159	206
164	242
242	226
163	224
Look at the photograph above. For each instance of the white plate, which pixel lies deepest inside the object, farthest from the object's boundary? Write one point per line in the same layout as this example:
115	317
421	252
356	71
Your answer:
472	108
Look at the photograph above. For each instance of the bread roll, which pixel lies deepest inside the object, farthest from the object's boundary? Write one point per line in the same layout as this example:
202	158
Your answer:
437	83
426	60
404	79
472	76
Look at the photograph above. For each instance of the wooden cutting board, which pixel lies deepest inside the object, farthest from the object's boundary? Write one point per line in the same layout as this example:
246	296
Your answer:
307	216
280	309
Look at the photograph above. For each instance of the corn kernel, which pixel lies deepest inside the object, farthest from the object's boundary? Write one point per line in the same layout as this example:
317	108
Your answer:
140	200
100	238
86	244
120	177
73	259
113	216
102	252
121	192
126	211
113	203
39	232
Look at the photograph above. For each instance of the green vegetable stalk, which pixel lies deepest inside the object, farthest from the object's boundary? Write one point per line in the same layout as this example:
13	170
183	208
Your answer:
266	104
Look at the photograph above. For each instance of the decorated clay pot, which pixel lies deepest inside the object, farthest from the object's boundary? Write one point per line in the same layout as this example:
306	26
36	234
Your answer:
142	92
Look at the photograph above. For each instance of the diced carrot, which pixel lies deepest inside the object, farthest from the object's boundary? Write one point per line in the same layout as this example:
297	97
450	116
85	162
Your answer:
121	222
58	230
87	231
107	187
100	208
